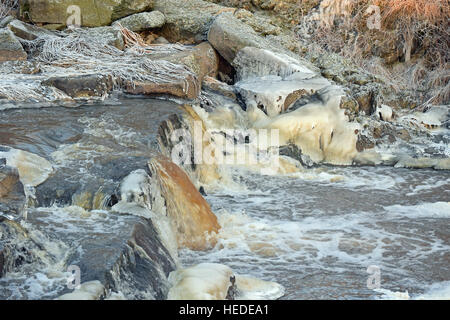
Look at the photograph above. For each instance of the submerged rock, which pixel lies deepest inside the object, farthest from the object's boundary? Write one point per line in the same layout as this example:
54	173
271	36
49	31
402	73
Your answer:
10	47
93	13
142	21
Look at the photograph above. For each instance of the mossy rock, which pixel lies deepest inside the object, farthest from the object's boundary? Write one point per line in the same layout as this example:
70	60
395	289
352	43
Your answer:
93	13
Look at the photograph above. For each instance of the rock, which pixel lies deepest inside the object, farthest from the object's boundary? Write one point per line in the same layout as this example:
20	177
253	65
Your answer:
251	62
364	143
228	35
216	86
117	252
261	25
274	95
16	249
12	193
110	35
82	86
93	13
366	100
33	169
202	59
205	281
188	87
384	112
10	47
142	21
28	31
294	152
191	214
187	21
4	22
161	40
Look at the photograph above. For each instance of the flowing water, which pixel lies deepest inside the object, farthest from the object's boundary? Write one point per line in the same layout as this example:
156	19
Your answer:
316	232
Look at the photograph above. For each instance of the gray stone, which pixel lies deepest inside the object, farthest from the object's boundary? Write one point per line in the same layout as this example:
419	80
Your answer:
28	31
142	21
84	86
10	48
187	21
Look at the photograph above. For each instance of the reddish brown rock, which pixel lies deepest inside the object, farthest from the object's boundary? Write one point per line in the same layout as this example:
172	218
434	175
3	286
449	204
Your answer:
189	212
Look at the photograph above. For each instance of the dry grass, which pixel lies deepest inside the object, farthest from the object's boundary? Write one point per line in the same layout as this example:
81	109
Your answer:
6	7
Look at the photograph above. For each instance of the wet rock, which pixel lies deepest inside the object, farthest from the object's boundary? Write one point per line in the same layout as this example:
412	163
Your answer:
10	47
33	169
82	86
364	143
93	13
189	211
366	100
274	94
142	21
122	252
294	152
28	31
187	21
12	193
214	85
16	248
98	189
384	113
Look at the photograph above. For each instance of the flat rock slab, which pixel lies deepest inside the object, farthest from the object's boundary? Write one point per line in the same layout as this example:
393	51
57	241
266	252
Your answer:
10	48
82	86
187	87
28	31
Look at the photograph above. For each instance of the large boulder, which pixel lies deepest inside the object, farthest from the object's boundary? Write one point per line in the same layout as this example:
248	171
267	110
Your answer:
187	21
199	61
93	13
142	21
202	59
10	47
